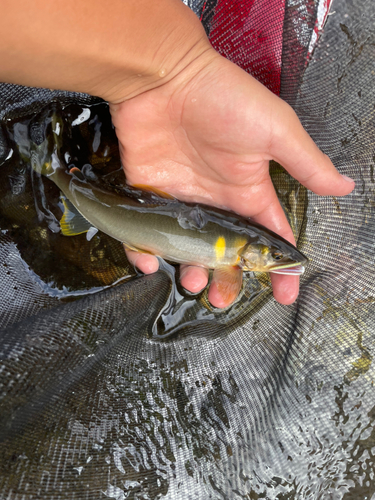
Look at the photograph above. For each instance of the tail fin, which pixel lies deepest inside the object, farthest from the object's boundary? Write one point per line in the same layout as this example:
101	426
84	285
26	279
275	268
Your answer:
42	156
39	162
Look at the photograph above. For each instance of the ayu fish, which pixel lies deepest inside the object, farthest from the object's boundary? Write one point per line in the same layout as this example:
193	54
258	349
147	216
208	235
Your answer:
183	233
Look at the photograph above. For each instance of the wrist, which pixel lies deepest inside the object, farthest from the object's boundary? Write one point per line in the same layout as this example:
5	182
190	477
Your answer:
171	46
115	49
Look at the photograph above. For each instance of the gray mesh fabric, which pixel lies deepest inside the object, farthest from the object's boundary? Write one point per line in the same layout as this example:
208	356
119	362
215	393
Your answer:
262	401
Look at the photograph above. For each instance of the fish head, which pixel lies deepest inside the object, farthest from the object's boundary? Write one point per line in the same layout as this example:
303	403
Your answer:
279	257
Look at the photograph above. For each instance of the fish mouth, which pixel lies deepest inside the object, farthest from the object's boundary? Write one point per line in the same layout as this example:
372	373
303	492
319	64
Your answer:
289	269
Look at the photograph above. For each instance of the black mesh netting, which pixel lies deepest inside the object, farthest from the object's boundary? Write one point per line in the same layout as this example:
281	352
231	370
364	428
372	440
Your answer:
119	386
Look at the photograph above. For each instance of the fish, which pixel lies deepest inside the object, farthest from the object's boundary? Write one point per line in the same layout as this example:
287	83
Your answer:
149	221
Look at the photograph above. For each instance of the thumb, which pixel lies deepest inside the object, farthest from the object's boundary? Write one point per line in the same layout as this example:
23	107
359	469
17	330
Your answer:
292	147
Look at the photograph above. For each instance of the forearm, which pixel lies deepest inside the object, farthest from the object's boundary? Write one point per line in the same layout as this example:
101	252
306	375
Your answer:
115	49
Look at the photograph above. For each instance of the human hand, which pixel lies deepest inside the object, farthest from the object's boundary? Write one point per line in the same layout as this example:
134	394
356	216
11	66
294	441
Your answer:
207	136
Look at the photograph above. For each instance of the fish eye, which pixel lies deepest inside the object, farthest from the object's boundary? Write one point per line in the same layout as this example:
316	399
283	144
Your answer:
277	255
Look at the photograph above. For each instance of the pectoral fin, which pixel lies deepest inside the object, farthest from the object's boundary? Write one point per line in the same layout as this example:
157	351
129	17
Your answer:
134	249
72	222
228	281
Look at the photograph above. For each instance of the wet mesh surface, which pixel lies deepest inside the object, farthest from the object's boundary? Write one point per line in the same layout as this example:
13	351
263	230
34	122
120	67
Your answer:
275	402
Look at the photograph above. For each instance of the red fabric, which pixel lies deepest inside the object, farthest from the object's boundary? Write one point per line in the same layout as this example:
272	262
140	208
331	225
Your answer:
250	34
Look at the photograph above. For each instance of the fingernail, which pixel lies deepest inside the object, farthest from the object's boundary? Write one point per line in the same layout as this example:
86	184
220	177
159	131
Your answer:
349	179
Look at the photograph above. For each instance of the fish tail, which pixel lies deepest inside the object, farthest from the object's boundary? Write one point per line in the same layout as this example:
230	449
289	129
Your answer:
42	156
39	164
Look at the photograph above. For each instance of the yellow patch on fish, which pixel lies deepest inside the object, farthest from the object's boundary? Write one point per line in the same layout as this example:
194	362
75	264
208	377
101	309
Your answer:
240	242
220	248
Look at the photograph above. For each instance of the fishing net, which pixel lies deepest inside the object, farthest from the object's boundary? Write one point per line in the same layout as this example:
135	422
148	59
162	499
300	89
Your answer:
118	385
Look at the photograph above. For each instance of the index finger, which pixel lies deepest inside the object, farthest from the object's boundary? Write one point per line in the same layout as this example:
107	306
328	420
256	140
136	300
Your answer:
293	148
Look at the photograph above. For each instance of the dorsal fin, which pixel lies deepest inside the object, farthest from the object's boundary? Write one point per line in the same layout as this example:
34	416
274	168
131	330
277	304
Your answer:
72	222
154	190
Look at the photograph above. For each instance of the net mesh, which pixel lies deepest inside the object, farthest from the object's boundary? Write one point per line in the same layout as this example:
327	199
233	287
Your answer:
262	401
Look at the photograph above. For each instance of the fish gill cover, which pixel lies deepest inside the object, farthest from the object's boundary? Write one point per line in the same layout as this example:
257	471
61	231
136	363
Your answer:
120	386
